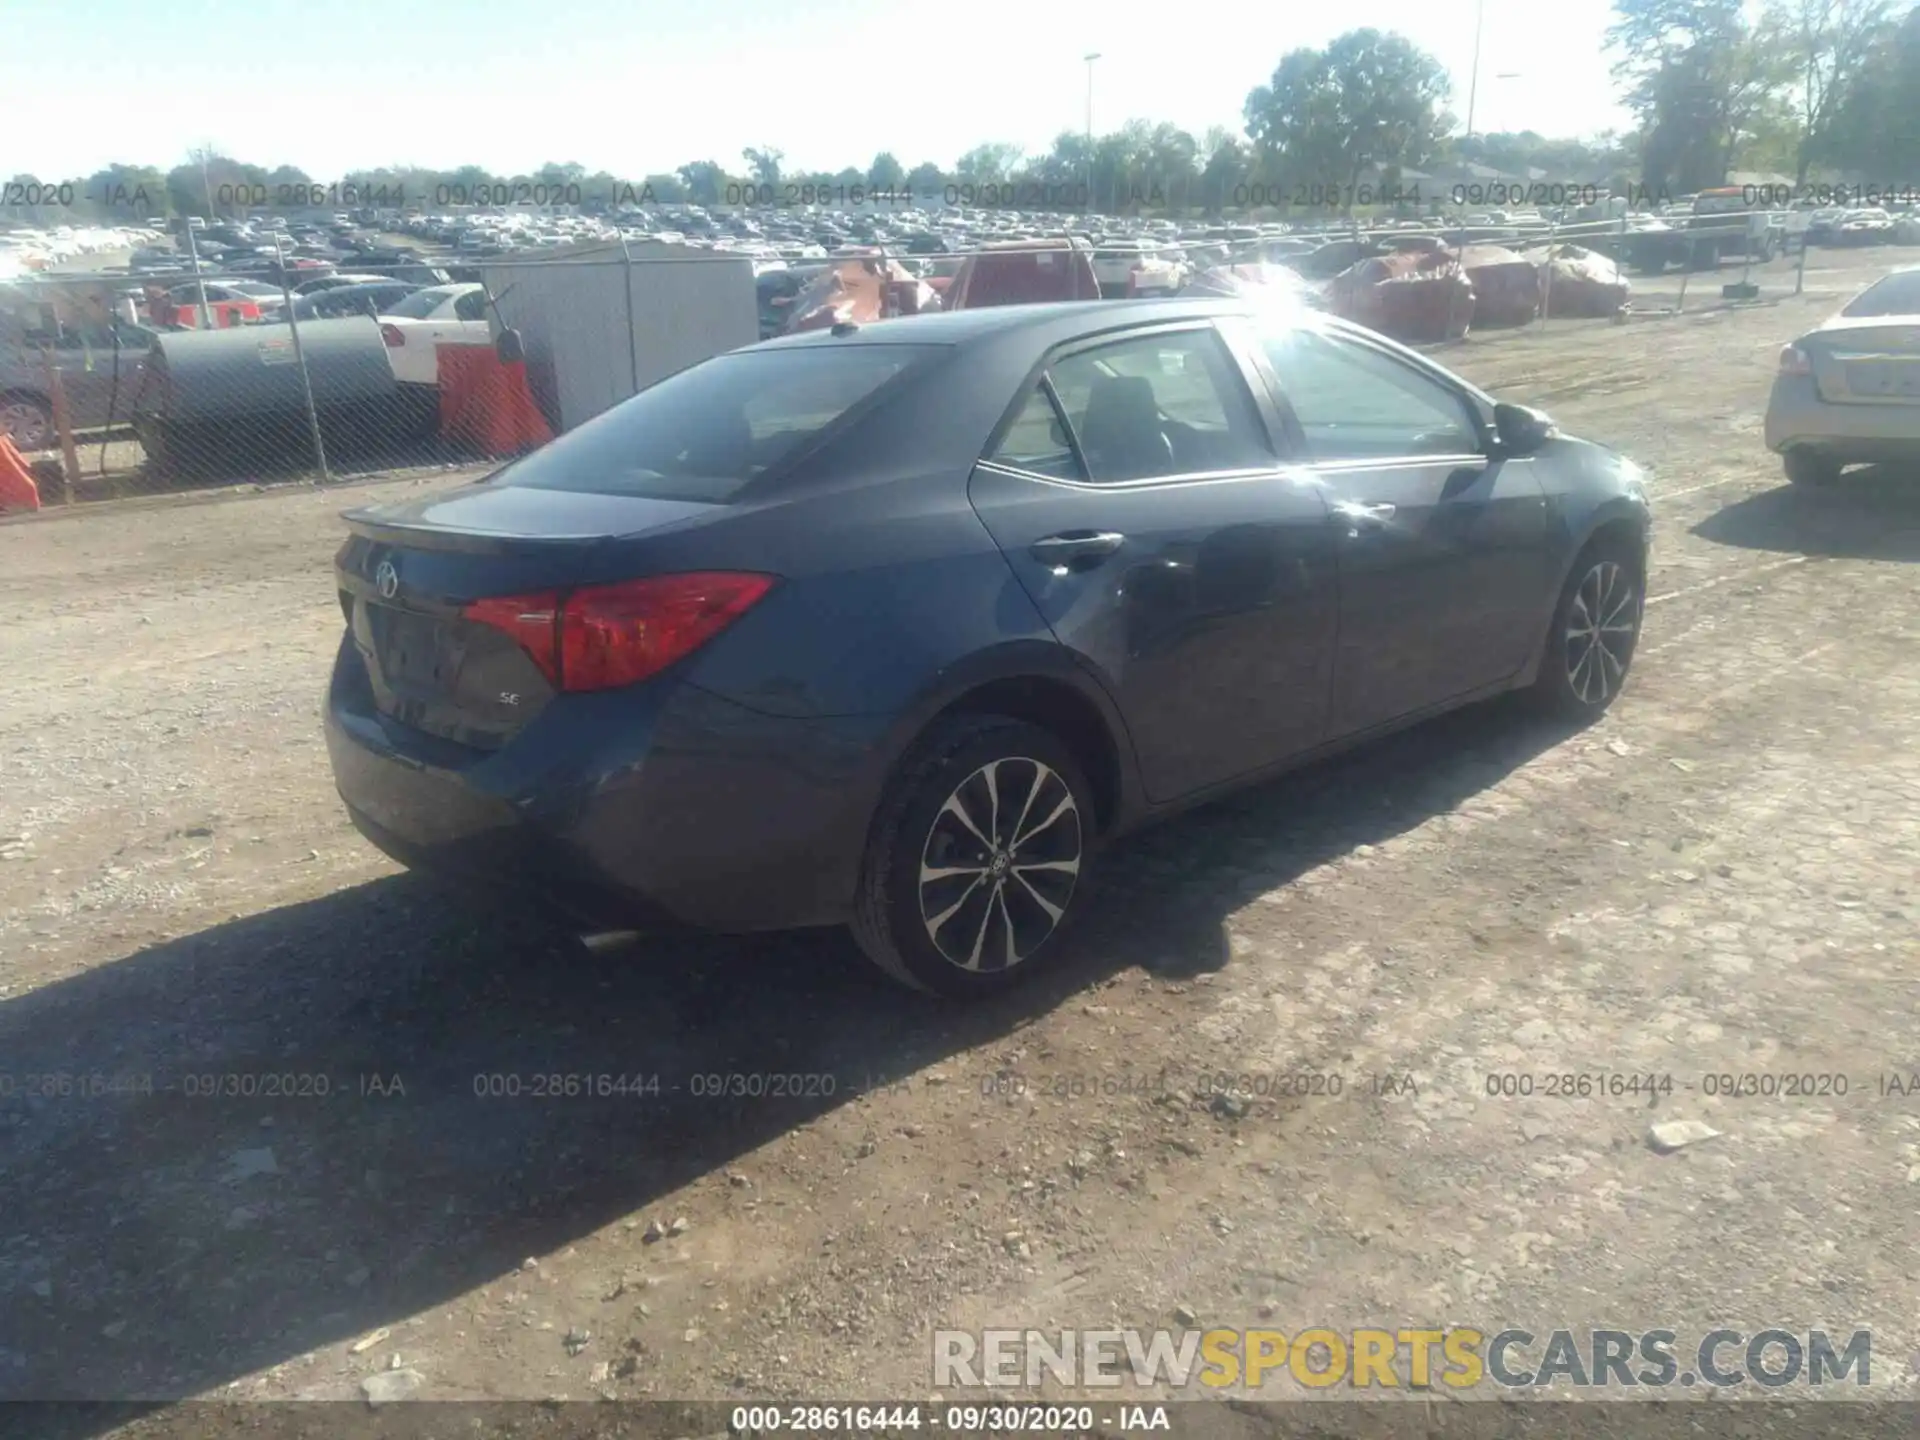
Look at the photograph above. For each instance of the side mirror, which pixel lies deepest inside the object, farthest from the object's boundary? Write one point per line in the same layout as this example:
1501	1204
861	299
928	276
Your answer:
1522	430
509	347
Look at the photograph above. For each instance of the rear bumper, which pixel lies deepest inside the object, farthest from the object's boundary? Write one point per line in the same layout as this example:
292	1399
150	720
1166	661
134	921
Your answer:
660	806
1797	418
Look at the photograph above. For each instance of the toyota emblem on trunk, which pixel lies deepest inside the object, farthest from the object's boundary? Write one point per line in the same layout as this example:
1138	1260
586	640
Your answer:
388	579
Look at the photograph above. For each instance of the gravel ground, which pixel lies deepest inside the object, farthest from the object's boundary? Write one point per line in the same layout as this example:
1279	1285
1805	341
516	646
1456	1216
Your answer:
1720	878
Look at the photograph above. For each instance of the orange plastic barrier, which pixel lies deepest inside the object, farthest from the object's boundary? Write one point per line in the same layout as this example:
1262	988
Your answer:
17	488
485	402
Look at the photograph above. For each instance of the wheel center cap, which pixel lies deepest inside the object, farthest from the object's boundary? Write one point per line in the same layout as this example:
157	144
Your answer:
998	865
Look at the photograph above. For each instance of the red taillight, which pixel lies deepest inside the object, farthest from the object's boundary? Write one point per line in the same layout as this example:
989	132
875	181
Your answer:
1795	361
606	636
391	334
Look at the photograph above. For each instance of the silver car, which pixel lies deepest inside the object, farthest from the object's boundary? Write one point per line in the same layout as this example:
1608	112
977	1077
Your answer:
1848	392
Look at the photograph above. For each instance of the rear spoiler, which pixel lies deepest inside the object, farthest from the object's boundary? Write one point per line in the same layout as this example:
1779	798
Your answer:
368	524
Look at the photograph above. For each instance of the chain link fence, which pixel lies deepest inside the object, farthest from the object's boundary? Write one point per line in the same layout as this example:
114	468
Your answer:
141	380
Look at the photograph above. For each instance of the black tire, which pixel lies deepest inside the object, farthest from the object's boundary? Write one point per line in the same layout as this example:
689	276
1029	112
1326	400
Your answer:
27	420
1584	664
1810	467
897	917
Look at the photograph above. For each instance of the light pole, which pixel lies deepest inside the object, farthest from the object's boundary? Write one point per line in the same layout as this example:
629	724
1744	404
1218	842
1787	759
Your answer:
1090	59
1473	85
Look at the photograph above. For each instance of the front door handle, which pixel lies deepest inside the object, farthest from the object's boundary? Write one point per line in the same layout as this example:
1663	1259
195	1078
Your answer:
1356	513
1076	549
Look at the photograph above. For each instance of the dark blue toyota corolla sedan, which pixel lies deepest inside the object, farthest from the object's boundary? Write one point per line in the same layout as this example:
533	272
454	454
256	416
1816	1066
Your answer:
895	626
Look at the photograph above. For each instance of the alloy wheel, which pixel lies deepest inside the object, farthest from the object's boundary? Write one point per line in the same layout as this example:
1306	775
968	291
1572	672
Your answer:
25	424
1000	864
1601	624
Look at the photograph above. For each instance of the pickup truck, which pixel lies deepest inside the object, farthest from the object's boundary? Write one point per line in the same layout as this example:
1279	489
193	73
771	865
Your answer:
1724	224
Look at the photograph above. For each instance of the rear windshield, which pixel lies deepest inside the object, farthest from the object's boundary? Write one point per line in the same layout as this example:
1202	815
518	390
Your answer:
712	430
420	304
1895	295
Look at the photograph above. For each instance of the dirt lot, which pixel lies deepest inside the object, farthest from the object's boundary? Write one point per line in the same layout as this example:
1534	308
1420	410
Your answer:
1718	879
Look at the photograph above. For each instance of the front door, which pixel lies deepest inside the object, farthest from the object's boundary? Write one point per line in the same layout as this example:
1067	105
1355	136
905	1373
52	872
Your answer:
1137	496
1442	544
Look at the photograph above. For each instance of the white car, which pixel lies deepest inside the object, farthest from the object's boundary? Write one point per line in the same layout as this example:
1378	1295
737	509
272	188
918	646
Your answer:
417	326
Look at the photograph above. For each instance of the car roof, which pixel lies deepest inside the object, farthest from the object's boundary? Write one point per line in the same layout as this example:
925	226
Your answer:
1063	320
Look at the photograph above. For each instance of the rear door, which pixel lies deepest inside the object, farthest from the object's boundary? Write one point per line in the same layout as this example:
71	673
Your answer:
1137	494
1442	547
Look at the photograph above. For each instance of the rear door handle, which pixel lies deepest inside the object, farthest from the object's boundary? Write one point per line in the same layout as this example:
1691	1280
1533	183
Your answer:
1076	549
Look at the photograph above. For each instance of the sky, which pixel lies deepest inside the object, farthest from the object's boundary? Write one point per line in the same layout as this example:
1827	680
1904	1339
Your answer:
641	86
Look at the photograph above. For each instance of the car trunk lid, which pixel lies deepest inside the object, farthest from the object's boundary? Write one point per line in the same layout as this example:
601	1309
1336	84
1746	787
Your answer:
410	575
1868	361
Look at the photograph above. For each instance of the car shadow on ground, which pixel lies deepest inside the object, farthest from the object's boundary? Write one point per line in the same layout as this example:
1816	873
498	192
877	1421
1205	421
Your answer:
1870	513
153	1249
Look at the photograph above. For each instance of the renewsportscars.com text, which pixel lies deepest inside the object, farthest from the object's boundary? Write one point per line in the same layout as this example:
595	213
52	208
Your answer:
1457	1358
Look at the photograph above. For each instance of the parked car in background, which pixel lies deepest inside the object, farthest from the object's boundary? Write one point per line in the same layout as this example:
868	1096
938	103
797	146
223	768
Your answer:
1114	264
1023	272
289	269
335	281
154	260
374	299
1848	391
99	369
1823	225
897	626
416	326
228	301
1865	227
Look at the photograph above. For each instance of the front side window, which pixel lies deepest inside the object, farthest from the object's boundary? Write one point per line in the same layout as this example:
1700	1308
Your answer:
471	306
1356	403
1160	405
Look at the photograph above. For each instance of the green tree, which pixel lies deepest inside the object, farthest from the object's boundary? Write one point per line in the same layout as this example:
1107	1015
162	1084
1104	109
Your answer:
127	194
763	165
989	164
1834	44
1368	99
886	172
1703	80
666	189
926	178
1229	163
1875	130
705	181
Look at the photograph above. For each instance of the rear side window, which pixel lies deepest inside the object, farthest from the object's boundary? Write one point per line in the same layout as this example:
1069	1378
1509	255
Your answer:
712	430
1037	441
1160	405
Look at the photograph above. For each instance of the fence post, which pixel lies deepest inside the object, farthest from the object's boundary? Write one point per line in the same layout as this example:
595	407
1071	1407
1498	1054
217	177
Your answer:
633	337
199	280
1453	291
62	422
299	359
1800	271
1546	283
1686	271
